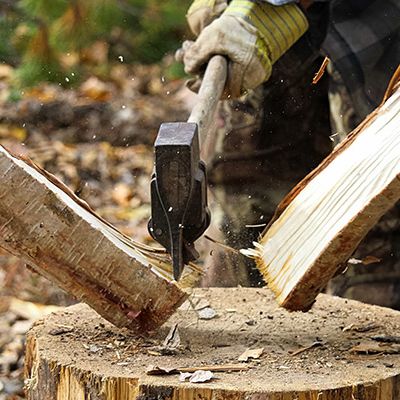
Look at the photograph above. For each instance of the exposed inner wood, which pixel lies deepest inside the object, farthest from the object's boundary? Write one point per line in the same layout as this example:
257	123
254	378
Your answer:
42	222
327	215
95	360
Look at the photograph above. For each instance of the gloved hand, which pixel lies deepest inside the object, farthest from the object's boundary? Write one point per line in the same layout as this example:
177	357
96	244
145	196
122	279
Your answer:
202	12
252	35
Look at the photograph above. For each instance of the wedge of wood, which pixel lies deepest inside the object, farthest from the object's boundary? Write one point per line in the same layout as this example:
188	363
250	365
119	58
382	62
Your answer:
323	219
60	237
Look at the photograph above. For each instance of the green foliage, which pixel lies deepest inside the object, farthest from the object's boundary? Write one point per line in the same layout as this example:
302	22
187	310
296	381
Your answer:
44	9
159	31
38	33
7	27
32	71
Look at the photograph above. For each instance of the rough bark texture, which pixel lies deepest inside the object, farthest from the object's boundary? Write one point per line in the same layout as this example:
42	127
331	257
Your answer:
93	360
321	222
64	240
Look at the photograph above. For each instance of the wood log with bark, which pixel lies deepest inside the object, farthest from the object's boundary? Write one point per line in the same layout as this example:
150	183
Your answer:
320	223
252	349
60	237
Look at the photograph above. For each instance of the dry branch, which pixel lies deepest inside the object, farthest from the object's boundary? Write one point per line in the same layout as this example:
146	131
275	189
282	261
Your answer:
321	222
45	224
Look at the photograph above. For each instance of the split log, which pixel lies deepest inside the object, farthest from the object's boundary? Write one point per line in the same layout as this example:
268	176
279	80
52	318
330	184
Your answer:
323	219
60	237
75	355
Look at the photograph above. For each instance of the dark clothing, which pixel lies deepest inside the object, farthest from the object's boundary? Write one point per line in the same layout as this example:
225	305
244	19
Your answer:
278	133
362	39
363	42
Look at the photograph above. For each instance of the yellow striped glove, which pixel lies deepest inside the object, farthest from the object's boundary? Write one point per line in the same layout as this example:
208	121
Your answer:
252	35
202	12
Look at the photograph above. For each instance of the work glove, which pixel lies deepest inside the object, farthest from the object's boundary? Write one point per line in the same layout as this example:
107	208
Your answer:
252	35
202	12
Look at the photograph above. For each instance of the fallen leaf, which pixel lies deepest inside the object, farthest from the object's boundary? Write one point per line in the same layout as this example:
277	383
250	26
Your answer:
21	327
184	375
6	73
155	370
122	194
251	353
207	313
201	376
95	89
28	310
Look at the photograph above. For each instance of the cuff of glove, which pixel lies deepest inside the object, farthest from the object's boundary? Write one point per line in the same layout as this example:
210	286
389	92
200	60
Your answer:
199	4
278	27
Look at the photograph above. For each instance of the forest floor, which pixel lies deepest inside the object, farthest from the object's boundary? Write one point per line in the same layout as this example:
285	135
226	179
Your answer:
97	138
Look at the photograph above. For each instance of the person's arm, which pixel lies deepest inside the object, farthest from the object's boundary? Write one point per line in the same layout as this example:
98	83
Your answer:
202	12
253	35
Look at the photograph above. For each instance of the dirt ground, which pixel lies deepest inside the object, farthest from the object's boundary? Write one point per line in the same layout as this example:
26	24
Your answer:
97	138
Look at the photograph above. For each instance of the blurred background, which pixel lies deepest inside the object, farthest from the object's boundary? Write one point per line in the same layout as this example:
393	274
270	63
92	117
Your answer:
84	86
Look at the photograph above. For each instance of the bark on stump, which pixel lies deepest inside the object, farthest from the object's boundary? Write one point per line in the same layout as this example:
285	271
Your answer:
76	355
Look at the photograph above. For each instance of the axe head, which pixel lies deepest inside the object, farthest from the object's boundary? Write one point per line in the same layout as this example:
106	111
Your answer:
179	212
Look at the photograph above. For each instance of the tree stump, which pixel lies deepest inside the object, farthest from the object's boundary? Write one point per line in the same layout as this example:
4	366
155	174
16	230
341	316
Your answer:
74	354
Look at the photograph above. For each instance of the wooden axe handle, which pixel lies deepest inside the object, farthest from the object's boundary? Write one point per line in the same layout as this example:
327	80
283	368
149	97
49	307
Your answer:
210	92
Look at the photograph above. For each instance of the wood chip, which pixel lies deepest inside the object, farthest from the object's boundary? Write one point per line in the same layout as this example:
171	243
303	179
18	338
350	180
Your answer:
251	353
365	261
320	71
60	330
203	303
156	370
173	340
361	328
371	260
306	348
375	348
217	368
207	313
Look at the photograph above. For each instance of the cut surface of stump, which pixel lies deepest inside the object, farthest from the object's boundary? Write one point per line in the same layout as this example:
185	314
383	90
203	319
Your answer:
321	355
